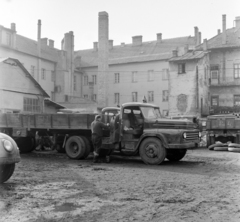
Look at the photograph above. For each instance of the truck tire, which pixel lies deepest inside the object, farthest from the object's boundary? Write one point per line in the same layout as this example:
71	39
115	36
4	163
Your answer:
58	147
25	144
6	171
87	146
152	151
176	154
75	148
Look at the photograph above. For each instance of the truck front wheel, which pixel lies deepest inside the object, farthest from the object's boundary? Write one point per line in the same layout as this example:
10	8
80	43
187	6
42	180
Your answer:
176	155
152	151
75	147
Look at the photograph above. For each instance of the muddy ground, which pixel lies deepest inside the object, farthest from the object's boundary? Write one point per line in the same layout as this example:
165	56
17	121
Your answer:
47	186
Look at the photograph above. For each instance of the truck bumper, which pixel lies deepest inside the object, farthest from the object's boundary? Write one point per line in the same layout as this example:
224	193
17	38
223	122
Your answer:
184	146
7	160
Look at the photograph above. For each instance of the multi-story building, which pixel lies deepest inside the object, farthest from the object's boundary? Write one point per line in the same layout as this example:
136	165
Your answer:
116	74
224	69
52	68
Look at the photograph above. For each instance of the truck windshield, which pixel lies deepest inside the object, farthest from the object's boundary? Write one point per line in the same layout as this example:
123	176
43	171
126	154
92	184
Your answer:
151	112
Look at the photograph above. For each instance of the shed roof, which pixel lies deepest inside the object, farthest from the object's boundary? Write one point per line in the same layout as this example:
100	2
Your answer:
5	60
189	56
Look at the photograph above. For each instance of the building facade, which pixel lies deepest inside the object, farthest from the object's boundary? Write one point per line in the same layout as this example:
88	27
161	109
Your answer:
224	69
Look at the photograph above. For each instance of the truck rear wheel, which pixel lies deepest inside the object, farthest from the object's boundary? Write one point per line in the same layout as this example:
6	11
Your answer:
176	155
87	146
152	151
6	171
75	147
25	144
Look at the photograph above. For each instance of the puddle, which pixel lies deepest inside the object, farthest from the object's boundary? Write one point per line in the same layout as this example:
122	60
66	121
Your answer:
66	207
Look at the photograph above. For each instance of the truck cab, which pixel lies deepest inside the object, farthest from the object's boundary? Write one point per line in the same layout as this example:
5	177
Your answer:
140	128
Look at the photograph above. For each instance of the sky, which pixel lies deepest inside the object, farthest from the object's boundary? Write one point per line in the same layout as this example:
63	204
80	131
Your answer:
127	18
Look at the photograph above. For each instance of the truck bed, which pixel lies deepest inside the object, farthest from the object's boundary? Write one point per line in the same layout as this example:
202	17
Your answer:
46	121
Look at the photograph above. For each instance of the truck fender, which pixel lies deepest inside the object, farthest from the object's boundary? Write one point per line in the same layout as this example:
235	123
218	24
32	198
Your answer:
156	135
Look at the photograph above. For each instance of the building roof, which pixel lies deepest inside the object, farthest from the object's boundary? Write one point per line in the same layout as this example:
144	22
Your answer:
129	53
49	102
30	47
232	40
189	56
5	60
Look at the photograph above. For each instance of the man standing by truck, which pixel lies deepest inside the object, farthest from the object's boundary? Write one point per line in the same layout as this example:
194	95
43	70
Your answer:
97	132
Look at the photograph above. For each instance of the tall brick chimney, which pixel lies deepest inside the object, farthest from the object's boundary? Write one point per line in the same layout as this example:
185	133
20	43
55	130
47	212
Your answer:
237	20
196	35
224	34
103	53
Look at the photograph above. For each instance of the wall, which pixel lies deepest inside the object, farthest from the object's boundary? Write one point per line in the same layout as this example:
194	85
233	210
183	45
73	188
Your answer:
228	86
14	86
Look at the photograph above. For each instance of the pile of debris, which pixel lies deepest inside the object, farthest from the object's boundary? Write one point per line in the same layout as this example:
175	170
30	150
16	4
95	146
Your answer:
229	146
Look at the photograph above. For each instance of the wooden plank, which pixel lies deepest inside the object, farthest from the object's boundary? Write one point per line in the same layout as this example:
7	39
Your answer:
78	121
60	121
14	120
43	121
28	121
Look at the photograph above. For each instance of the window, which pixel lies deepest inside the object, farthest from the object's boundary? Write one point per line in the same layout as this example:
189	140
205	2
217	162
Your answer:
31	105
214	101
165	74
134	96
43	74
74	83
94	79
116	98
236	100
85	96
165	95
181	68
32	70
150	96
94	97
9	39
134	76
85	80
150	75
236	70
116	78
52	76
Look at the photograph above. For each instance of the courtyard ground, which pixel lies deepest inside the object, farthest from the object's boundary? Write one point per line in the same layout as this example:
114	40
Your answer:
49	187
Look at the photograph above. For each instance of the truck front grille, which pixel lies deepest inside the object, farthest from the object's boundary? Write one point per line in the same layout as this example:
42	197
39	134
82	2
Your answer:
192	136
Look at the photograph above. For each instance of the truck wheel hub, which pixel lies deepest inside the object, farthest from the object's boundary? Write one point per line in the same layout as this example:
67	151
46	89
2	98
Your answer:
151	151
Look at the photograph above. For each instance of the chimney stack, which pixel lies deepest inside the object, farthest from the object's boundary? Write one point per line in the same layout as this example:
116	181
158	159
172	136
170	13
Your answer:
224	34
219	31
199	38
205	45
51	43
95	46
110	44
103	54
13	27
44	41
122	44
39	30
237	21
159	37
196	36
137	40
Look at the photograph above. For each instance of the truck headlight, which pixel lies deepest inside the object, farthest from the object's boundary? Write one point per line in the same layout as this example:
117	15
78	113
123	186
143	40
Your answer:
7	145
184	135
